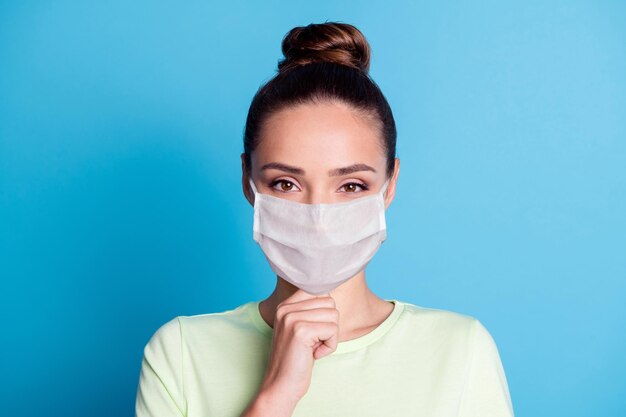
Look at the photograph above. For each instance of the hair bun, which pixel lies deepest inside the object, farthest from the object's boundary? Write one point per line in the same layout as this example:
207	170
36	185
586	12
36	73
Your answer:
340	43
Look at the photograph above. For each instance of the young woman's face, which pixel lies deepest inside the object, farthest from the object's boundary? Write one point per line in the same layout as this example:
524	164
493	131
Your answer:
319	153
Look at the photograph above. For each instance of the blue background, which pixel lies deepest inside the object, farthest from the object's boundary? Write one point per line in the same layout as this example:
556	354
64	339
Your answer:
121	207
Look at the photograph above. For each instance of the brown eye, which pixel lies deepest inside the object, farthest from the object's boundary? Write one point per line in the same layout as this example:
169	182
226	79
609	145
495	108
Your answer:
286	185
352	187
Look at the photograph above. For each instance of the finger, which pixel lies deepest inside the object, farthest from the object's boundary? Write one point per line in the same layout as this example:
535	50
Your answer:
326	347
321	351
313	332
316	314
322	302
299	295
327	334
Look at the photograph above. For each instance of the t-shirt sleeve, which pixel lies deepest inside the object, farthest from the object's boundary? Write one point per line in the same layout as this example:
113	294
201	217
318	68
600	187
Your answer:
486	392
160	389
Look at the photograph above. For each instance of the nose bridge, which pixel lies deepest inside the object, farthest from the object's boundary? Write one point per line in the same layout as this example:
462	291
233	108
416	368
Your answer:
319	195
314	196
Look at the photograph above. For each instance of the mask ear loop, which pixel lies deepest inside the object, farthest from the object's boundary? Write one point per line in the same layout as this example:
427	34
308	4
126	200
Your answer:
253	186
383	189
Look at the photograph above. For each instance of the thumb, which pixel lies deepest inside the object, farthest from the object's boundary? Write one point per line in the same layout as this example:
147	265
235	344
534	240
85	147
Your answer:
321	351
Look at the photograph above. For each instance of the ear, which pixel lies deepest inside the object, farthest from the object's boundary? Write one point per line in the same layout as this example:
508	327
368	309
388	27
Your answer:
391	188
245	181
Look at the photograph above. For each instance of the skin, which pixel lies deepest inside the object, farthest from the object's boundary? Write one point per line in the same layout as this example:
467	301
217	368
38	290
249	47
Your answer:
315	138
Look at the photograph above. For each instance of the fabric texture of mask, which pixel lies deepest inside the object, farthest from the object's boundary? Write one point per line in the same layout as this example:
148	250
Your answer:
318	247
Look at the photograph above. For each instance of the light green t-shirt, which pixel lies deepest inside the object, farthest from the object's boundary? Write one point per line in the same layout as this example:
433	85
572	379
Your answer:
418	362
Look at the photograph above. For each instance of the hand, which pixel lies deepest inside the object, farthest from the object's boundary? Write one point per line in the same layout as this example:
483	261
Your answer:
306	328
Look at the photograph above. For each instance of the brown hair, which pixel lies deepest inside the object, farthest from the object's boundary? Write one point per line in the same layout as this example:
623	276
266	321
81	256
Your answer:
323	62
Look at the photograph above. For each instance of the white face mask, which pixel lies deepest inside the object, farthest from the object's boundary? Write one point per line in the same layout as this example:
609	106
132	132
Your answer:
318	247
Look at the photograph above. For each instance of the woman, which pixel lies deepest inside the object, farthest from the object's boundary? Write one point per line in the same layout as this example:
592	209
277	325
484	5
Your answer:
319	167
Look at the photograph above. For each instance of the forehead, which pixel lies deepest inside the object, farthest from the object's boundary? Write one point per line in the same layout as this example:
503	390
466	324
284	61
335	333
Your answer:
320	134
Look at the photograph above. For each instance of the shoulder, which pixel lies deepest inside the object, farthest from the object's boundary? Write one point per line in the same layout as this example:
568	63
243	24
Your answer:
445	325
166	338
438	319
221	324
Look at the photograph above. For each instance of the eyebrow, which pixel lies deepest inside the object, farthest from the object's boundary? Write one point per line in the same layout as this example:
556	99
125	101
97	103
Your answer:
332	173
350	169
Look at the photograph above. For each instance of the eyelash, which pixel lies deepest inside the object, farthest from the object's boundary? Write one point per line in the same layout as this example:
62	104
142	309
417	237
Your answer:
363	186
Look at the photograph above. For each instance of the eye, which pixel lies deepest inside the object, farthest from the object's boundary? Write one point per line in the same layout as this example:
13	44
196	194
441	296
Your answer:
351	187
285	185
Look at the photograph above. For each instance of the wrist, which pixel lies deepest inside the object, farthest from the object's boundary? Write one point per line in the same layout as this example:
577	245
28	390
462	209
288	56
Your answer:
271	400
